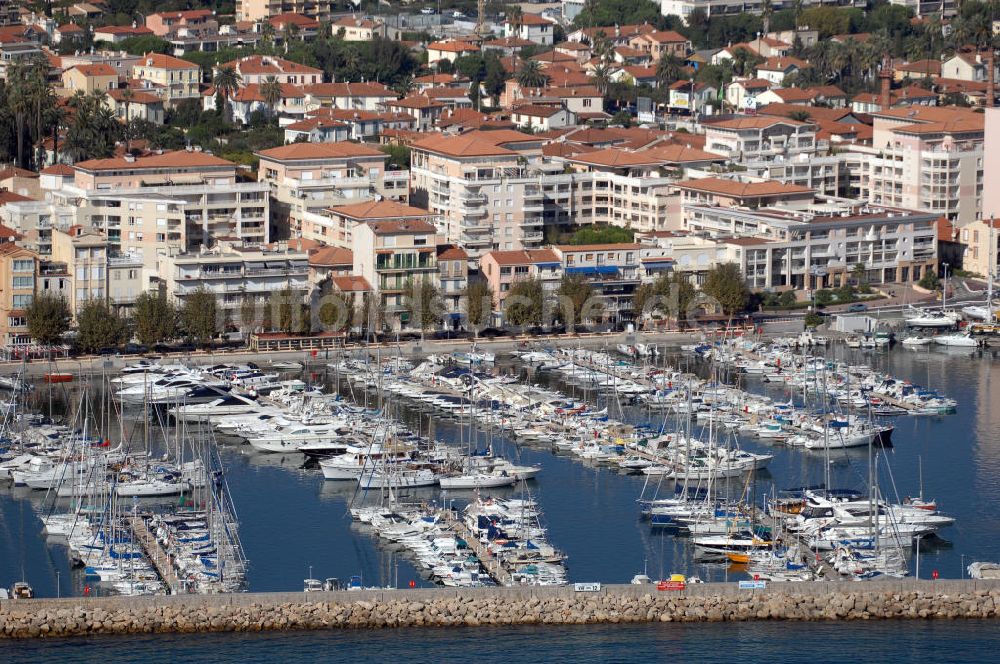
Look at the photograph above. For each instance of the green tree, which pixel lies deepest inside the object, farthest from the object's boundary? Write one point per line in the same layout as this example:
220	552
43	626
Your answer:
725	284
524	304
371	318
227	82
858	273
48	318
813	319
99	326
422	301
670	295
143	45
530	75
623	118
575	301
618	12
669	69
336	313
399	157
94	130
787	299
478	300
199	316
284	307
155	319
602	235
248	316
823	296
930	281
270	92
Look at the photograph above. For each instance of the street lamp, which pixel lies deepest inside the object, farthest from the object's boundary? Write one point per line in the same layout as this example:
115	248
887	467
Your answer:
918	556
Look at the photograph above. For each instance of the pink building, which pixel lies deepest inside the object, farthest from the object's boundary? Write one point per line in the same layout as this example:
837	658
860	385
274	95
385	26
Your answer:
503	268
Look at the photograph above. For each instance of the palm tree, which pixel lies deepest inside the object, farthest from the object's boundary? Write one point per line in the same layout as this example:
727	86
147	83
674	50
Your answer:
270	92
227	82
404	86
267	32
515	17
766	12
530	75
602	78
127	100
669	69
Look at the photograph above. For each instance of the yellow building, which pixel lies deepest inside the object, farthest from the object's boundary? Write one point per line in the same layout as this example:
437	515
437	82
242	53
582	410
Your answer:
18	271
88	79
173	79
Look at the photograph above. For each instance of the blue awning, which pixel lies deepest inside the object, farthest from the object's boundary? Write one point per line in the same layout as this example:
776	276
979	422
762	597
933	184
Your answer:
548	265
454	316
593	269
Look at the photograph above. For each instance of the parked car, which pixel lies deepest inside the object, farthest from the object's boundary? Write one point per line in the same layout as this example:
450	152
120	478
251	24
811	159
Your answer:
857	306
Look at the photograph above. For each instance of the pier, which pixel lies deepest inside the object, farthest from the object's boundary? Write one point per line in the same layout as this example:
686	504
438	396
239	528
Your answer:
157	556
487	560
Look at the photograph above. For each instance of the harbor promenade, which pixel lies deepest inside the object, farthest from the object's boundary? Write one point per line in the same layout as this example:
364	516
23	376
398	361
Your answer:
710	602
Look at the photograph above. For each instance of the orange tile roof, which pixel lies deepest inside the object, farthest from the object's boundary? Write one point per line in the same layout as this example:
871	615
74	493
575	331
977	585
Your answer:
453	47
782	63
291	18
735	189
136	96
573	248
351	283
451	252
175	159
59	169
417	102
349	90
523	256
269	64
401	227
161	61
533	19
331	256
384	209
756	122
100	69
310	151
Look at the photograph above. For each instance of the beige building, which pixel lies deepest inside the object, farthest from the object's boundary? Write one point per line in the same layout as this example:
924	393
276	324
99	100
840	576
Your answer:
18	274
390	253
173	79
502	269
307	178
256	69
236	272
84	251
359	29
255	10
760	137
88	79
336	225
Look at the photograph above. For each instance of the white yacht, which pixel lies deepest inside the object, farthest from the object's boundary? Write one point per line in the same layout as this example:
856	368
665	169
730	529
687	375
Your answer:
929	318
957	340
291	437
231	404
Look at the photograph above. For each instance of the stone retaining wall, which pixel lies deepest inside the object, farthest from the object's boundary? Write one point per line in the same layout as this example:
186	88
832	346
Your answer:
502	606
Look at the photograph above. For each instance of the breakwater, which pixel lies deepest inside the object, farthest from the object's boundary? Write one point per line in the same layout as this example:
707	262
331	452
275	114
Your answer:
714	602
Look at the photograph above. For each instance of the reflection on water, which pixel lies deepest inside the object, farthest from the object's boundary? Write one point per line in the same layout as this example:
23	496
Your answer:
291	519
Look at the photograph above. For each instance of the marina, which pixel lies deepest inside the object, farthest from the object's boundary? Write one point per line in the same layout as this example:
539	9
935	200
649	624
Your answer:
626	399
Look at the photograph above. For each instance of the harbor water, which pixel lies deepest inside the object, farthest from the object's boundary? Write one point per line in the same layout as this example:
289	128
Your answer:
294	525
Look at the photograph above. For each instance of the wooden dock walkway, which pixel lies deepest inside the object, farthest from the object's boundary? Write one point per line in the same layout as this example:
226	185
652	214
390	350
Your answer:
160	559
488	561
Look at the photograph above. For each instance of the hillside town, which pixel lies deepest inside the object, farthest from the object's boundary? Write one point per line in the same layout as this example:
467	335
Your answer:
212	172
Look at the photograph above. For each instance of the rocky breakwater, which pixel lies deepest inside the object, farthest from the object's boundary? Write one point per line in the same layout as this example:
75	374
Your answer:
544	606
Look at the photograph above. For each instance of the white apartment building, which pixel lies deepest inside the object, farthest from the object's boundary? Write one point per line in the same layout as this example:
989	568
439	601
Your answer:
683	8
235	272
760	138
923	158
818	246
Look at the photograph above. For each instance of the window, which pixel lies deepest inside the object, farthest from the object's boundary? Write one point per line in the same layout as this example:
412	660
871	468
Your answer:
24	282
24	266
510	217
587	103
22	301
81	274
81	294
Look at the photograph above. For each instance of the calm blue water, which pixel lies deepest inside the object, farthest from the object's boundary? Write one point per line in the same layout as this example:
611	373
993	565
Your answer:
789	643
291	520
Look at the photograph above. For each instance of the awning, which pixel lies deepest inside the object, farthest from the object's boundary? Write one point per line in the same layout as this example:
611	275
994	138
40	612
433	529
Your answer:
454	316
548	265
593	269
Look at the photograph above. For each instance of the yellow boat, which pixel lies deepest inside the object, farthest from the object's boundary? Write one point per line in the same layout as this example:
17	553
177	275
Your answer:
738	557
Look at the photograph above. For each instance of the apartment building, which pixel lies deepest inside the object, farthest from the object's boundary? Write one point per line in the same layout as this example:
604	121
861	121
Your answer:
336	225
170	78
190	22
760	137
236	272
613	272
452	279
353	28
482	187
388	254
690	254
923	158
18	274
531	27
92	271
307	178
162	204
726	193
256	10
255	69
502	269
818	245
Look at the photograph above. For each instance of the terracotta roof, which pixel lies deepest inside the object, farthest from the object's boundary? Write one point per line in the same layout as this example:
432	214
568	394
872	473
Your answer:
523	257
782	63
136	96
59	169
349	90
754	84
251	92
291	18
536	111
665	37
445	93
353	22
123	30
351	283
175	159
452	46
310	151
15	172
401	227
736	189
451	252
510	42
417	102
69	28
330	256
566	149
187	15
755	122
161	61
616	158
11	249
11	197
533	19
471	144
8	233
788	95
920	67
384	209
315	123
269	64
100	69
441	79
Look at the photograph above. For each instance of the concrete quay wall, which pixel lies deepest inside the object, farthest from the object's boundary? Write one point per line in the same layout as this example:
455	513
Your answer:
713	602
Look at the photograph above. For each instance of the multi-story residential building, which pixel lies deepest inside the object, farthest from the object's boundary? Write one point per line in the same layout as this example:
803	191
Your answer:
307	178
348	96
660	43
760	137
502	269
480	184
160	204
818	245
353	28
453	277
531	27
121	61
237	272
255	69
190	22
18	274
170	78
721	192
336	225
388	254
89	79
923	158
690	254
613	272
255	10
92	271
